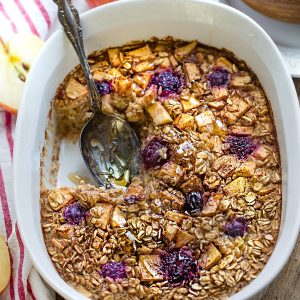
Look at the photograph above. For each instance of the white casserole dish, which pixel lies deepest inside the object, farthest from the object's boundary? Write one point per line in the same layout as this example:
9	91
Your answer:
115	24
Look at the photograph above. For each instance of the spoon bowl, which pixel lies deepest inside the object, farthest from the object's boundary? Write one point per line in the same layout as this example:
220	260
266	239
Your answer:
110	149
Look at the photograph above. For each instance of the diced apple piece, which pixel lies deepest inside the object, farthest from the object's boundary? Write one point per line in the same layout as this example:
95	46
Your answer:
65	231
189	104
171	173
150	268
143	67
261	153
159	114
100	215
183	238
163	62
204	119
60	197
75	89
185	50
240	108
118	218
240	79
241	130
184	121
246	169
113	72
99	76
174	216
225	165
149	97
218	105
210	257
170	232
143	52
192	184
236	186
5	264
192	71
122	86
114	57
219	93
211	206
224	63
142	79
219	128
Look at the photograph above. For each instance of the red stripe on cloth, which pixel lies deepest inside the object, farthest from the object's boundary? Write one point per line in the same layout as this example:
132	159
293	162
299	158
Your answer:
13	25
43	12
21	290
11	280
9	133
30	290
5	208
26	17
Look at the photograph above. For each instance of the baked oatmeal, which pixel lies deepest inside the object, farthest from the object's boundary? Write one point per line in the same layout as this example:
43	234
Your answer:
202	219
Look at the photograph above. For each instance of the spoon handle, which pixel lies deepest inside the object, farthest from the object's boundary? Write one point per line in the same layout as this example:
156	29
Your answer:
69	18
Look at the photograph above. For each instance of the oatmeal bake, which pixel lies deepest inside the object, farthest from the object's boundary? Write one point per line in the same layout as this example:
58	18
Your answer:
202	218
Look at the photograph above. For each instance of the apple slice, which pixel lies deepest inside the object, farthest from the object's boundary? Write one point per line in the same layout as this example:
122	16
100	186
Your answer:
16	58
5	268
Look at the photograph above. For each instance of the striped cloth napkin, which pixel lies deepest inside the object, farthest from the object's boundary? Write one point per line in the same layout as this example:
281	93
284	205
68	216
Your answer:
39	17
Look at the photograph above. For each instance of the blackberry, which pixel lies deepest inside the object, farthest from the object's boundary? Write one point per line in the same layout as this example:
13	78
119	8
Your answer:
193	202
74	214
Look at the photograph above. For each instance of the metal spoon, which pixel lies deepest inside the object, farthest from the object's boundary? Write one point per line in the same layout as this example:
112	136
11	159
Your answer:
109	145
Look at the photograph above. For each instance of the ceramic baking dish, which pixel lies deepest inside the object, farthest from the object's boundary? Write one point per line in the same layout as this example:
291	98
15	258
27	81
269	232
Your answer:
120	22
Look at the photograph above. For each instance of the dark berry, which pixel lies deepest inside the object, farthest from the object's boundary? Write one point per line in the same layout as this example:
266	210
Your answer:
169	81
132	199
178	266
156	153
219	77
74	214
193	202
237	227
241	146
104	87
114	270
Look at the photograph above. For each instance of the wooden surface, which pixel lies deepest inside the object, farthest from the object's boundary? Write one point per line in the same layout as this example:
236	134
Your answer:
282	10
287	285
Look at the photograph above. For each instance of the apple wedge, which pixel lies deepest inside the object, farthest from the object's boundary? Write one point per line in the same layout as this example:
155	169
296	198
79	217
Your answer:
16	58
5	268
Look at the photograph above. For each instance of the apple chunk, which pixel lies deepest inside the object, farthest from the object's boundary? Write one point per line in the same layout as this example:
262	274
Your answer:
210	257
159	114
5	268
150	268
16	58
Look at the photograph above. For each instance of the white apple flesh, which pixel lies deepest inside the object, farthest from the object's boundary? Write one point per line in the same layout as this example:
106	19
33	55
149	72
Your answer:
16	58
5	268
